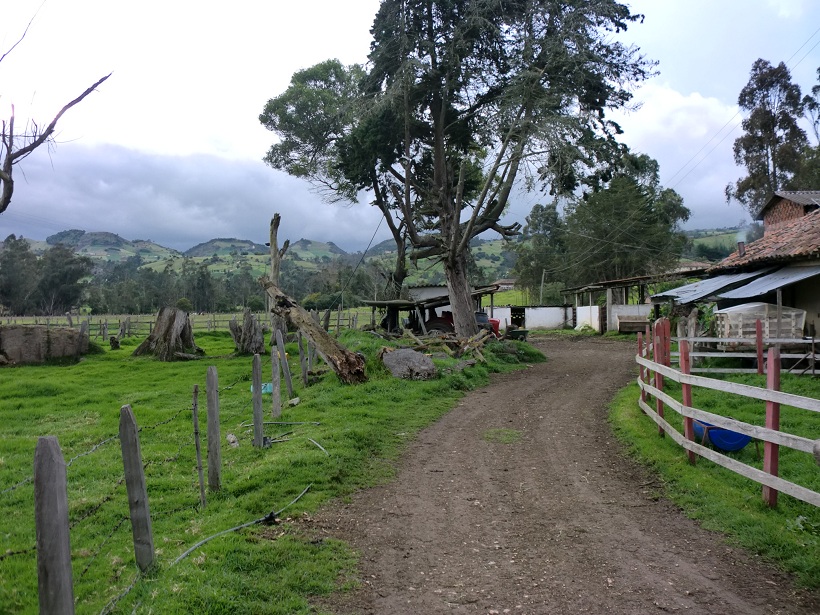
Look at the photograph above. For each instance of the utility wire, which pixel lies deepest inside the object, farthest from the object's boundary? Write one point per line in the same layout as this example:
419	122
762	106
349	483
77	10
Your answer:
356	268
732	119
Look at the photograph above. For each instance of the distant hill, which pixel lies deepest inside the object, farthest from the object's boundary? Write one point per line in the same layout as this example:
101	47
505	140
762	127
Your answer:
225	247
106	246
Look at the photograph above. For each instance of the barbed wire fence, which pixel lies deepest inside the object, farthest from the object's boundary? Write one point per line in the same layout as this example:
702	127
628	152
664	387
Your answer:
96	521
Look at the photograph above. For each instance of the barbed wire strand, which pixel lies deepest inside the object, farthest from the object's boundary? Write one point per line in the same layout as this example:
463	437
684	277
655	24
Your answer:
269	518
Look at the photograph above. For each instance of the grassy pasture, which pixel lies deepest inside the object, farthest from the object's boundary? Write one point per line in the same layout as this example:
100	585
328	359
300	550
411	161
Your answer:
259	570
721	500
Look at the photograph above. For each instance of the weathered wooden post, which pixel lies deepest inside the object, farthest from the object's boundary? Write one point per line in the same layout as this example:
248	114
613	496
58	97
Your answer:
283	357
642	369
214	437
302	360
256	375
686	391
276	382
658	346
759	345
771	451
198	444
137	491
54	580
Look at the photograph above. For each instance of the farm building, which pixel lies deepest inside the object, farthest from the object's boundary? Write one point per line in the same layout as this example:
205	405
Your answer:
781	269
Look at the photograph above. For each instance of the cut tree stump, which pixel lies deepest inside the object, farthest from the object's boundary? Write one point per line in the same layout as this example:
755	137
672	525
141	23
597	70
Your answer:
248	337
349	366
172	337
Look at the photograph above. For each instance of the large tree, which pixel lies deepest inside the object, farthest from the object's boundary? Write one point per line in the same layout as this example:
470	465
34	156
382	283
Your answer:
19	272
772	141
630	228
541	249
320	119
465	100
60	287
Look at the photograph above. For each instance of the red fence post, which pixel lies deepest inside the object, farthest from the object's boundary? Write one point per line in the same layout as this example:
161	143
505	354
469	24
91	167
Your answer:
686	390
641	369
658	347
771	451
759	345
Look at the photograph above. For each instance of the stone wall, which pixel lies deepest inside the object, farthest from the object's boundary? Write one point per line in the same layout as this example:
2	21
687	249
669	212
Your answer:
21	344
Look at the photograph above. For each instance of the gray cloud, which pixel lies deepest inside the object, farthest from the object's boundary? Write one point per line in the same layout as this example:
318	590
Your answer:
176	201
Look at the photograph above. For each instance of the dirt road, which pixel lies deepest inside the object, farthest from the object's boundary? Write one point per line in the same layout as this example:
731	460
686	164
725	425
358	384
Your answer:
558	521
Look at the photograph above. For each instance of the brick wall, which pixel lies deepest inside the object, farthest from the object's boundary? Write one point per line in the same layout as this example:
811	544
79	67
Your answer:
782	211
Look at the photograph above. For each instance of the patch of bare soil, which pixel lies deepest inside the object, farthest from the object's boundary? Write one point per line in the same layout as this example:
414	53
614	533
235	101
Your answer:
559	521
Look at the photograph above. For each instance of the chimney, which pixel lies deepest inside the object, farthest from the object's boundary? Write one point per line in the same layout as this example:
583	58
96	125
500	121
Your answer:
741	248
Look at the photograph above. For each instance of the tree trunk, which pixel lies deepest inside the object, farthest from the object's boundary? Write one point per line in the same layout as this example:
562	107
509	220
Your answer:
276	256
248	337
172	337
349	366
461	302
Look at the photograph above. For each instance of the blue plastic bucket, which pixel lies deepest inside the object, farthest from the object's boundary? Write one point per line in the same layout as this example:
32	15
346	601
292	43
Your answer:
722	439
267	387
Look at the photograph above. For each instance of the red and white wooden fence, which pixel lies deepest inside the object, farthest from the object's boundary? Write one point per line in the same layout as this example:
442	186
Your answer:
654	370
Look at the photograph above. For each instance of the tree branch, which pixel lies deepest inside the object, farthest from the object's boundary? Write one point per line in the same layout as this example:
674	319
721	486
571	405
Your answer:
13	156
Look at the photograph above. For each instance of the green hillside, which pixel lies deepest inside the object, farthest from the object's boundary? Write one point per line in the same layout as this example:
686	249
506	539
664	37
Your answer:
105	246
226	247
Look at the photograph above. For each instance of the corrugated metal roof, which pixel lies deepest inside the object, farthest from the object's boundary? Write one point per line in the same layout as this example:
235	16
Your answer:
773	281
711	286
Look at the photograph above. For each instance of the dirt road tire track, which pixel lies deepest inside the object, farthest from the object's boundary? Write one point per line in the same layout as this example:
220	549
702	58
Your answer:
559	521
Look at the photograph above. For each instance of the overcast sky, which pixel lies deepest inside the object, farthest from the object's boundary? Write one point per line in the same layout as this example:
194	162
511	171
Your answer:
170	147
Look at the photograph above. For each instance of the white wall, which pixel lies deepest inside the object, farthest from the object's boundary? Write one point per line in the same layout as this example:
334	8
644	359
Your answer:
501	313
547	317
587	315
644	310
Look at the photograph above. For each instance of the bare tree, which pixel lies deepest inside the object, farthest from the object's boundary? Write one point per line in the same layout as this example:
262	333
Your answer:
15	147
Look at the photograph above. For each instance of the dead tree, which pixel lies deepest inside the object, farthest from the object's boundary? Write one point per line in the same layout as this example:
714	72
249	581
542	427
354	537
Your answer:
248	337
276	256
349	366
172	337
12	154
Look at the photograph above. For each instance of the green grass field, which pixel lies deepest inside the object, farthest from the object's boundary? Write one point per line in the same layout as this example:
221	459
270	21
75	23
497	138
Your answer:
258	570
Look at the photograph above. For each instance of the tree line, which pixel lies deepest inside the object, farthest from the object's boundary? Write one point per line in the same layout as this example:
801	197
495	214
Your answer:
60	281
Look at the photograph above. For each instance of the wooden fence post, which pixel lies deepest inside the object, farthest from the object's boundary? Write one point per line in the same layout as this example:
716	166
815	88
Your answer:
214	437
283	358
276	382
642	370
54	580
258	430
658	346
302	360
137	491
339	321
771	451
198	444
686	391
759	345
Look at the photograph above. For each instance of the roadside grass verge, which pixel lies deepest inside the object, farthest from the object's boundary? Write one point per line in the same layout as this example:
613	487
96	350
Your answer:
787	536
259	570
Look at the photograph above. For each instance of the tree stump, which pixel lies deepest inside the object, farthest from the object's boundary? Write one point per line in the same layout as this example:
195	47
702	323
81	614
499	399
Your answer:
172	337
248	337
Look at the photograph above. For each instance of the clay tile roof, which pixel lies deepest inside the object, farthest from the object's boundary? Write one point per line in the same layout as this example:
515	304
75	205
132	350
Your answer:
796	240
801	197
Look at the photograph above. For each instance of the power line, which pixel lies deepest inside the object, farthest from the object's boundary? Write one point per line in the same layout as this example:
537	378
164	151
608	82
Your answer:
356	268
731	120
